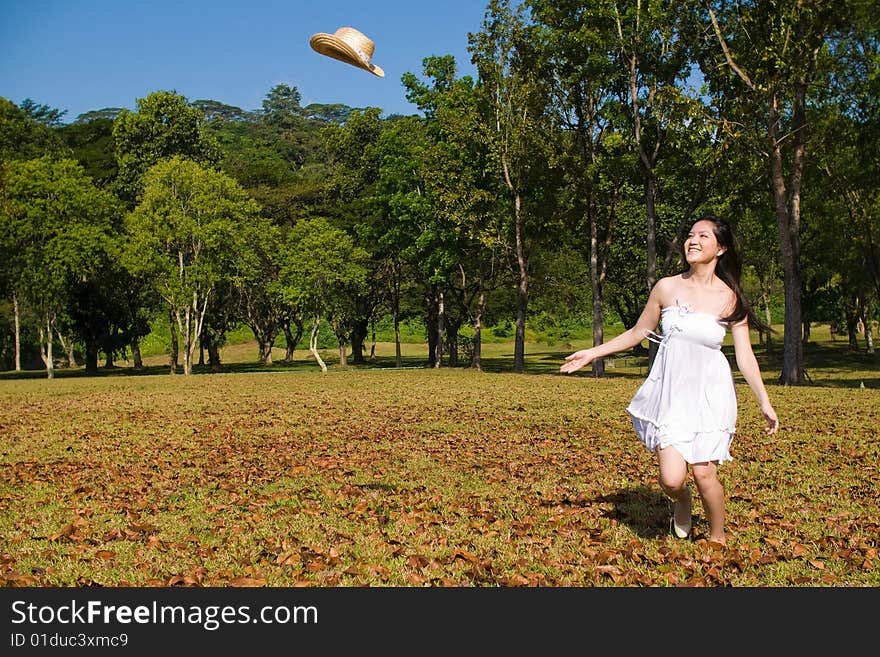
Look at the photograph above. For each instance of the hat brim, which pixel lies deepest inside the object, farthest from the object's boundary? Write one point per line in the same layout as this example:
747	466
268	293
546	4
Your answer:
329	45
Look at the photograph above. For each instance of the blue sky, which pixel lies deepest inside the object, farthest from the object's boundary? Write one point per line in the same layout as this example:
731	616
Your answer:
82	55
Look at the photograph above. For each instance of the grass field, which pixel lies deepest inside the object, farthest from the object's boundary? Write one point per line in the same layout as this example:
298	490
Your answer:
370	475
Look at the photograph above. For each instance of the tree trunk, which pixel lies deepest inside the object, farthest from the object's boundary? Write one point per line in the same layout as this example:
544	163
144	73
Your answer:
852	331
522	291
438	345
136	354
313	344
477	346
214	356
431	324
398	360
768	319
191	329
184	326
175	345
343	348
788	224
91	356
651	259
359	332
46	347
17	322
596	284
67	347
865	321
266	351
292	340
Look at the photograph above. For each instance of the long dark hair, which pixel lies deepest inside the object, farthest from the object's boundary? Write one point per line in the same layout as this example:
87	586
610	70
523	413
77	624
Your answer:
729	270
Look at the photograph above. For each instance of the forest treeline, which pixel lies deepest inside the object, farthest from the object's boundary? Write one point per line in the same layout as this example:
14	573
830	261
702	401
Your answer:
550	189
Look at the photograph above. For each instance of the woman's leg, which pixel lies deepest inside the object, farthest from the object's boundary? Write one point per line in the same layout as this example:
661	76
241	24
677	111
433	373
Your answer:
712	494
673	481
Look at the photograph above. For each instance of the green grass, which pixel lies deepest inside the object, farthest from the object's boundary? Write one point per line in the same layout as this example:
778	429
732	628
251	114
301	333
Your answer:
369	475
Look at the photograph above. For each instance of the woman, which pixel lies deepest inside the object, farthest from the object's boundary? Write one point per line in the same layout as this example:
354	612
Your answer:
685	411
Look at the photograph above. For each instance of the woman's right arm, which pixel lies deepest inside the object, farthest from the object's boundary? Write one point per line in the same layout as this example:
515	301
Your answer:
647	322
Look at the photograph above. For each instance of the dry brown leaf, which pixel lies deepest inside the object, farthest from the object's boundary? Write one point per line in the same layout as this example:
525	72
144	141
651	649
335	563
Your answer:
247	582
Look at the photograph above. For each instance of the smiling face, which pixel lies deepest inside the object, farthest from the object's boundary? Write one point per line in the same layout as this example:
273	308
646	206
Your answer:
701	245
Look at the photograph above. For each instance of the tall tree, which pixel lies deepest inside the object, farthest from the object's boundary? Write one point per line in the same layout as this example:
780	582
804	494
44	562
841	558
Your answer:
584	82
517	129
358	152
163	126
54	223
44	114
182	238
465	241
321	270
771	58
21	138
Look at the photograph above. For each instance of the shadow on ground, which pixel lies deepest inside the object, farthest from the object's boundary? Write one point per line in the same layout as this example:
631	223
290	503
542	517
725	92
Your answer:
644	510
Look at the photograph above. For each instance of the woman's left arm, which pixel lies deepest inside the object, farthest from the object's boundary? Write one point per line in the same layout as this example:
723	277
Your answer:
748	365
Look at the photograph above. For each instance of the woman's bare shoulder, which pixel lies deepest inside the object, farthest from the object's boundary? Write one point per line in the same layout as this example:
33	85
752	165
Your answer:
666	289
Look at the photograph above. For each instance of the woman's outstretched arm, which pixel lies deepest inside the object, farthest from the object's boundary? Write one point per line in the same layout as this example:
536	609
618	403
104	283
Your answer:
646	323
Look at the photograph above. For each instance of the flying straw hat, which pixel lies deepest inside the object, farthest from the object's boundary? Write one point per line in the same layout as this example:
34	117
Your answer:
347	45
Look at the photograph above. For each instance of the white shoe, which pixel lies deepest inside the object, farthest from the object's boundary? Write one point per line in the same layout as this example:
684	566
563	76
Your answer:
683	530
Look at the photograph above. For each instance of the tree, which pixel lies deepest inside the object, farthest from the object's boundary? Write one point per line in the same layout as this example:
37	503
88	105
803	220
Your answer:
321	271
358	153
106	113
261	305
183	239
42	113
24	138
163	126
54	224
21	138
214	111
517	129
281	106
464	246
91	143
575	47
770	59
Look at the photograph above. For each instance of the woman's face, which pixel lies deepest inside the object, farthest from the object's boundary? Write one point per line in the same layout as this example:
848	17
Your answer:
701	245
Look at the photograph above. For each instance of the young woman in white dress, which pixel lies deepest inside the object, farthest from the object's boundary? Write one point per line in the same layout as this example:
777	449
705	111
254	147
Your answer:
685	411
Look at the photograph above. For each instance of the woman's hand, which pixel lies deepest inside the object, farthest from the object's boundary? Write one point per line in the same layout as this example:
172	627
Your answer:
772	421
577	360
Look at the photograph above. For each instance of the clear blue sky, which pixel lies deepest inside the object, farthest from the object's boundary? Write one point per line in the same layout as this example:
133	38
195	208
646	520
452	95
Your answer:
83	55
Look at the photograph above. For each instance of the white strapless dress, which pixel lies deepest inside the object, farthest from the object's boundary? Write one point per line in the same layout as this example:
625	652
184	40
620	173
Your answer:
688	400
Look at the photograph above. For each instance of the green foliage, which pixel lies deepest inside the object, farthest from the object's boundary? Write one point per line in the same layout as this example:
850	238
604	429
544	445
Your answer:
42	113
23	138
321	267
110	113
163	126
281	105
55	225
183	234
92	145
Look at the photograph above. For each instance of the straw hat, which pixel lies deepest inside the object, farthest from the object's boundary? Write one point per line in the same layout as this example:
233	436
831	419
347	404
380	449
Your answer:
349	46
